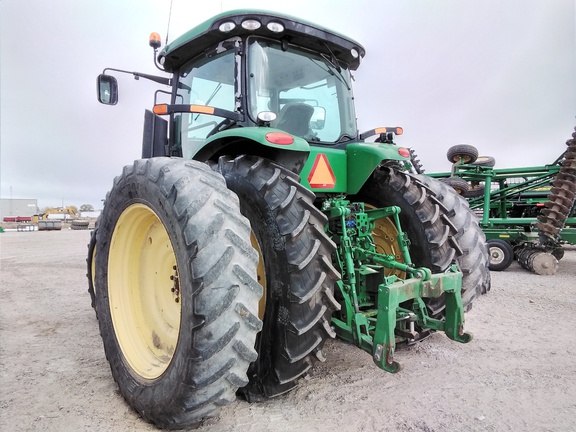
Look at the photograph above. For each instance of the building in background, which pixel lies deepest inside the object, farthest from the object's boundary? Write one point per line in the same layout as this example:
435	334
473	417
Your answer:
10	207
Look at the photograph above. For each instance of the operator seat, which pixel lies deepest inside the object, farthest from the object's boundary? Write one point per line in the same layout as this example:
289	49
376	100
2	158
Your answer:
294	118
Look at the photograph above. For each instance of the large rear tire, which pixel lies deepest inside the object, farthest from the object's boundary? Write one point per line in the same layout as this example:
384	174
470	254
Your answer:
91	266
177	298
297	273
474	261
428	221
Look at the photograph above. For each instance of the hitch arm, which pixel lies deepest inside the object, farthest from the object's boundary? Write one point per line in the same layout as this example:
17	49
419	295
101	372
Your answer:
391	296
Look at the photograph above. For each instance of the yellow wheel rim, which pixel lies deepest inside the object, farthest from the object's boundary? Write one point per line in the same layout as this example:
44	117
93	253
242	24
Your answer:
261	273
385	237
144	291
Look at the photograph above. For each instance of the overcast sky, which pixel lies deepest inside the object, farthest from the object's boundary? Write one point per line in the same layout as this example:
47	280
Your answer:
497	74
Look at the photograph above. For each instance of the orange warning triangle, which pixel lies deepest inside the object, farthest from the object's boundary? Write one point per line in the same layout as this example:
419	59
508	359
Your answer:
321	175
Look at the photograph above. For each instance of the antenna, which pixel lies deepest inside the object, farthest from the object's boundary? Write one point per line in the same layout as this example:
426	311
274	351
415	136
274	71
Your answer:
169	17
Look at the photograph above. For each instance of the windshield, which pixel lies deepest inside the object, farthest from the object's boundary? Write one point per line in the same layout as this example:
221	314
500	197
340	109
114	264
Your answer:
207	81
310	96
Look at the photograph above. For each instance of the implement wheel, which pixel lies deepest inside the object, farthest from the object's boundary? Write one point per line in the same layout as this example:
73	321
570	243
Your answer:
558	253
177	297
462	153
475	190
501	254
297	272
485	161
460	185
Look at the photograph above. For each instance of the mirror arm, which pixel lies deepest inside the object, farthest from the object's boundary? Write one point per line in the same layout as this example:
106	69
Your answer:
138	75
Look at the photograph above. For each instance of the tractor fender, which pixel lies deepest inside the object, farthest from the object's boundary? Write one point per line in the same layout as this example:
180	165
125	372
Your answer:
253	141
363	158
346	169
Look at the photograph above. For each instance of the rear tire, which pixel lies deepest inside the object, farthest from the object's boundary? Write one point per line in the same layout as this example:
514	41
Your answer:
428	220
91	266
474	261
177	297
298	273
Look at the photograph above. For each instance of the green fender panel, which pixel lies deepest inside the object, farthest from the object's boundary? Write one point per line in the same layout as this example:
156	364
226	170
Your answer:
345	170
255	134
252	141
322	169
363	158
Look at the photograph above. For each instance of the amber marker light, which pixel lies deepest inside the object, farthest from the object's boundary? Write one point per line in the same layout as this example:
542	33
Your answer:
201	109
160	109
279	138
155	40
396	130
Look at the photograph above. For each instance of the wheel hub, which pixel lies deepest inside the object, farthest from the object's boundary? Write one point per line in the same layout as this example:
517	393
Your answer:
496	255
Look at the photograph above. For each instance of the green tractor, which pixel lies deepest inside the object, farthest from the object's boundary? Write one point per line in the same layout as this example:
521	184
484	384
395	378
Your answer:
259	223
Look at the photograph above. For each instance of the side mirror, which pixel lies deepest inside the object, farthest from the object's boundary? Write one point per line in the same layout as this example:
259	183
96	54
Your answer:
107	89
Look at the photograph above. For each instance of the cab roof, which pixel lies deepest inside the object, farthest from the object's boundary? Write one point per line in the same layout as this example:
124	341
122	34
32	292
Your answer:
296	31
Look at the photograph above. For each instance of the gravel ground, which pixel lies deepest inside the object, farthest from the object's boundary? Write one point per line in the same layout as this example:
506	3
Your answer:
516	375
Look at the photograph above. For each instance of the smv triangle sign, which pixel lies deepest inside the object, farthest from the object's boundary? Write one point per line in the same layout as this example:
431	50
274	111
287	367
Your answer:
321	175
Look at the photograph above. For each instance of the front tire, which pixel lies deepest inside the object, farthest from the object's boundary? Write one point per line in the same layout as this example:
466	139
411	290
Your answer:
297	273
177	297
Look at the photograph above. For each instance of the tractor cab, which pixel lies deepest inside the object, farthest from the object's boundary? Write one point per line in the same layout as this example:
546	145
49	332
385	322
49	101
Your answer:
255	69
261	83
257	81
